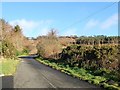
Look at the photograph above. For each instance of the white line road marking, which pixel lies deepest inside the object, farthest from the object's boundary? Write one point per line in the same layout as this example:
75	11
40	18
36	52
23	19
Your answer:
48	81
2	75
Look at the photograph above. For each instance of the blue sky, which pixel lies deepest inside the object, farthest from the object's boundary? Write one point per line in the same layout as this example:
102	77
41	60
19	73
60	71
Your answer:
37	18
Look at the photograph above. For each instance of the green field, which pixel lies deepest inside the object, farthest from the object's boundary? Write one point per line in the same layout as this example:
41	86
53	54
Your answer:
8	66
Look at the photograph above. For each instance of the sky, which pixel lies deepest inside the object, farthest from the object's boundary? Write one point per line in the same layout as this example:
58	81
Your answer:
68	18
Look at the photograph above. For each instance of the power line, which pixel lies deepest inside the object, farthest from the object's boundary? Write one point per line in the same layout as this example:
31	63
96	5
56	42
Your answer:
90	15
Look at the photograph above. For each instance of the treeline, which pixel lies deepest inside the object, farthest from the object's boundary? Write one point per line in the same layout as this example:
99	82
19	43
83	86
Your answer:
85	40
98	40
89	40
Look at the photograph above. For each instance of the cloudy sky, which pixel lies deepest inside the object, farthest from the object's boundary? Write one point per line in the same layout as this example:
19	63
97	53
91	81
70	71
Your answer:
69	18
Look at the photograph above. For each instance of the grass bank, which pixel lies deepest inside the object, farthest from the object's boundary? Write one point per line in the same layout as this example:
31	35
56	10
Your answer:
8	66
81	73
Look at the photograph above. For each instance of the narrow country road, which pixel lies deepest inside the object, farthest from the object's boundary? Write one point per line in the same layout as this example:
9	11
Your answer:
32	74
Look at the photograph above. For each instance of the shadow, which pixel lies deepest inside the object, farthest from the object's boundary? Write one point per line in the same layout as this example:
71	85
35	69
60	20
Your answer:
7	82
29	57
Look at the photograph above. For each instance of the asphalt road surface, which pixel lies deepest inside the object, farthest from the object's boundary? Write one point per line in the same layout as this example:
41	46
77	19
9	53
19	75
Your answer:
32	74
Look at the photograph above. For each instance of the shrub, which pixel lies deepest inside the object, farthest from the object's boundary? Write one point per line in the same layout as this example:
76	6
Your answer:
8	50
25	51
49	47
93	58
17	28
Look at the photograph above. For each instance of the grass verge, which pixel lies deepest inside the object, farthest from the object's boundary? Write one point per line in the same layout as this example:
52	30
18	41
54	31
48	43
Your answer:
8	66
80	73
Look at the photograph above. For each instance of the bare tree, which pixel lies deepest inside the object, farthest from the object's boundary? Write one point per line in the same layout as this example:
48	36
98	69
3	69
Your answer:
52	33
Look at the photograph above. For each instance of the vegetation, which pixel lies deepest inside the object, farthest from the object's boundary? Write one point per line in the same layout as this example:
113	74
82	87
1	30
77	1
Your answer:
49	46
97	64
12	39
83	74
8	50
98	40
8	66
91	57
100	60
24	52
10	46
17	28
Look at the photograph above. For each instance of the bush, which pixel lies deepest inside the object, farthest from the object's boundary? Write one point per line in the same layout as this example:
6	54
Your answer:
91	57
25	51
8	50
18	53
49	47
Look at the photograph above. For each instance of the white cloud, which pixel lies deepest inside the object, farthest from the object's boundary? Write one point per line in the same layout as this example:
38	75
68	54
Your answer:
24	24
105	24
91	24
69	32
29	26
113	20
44	31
